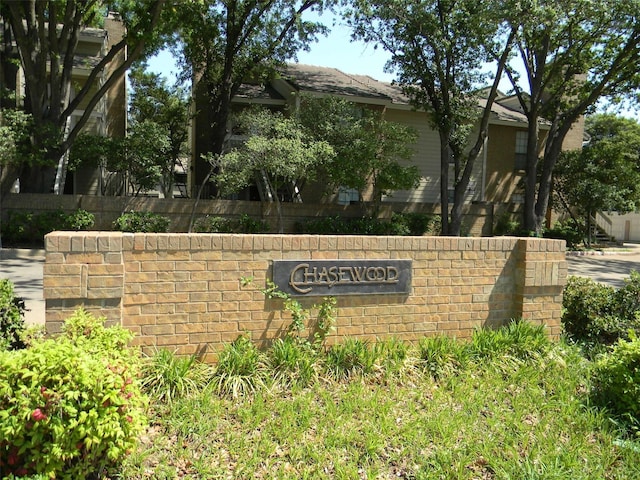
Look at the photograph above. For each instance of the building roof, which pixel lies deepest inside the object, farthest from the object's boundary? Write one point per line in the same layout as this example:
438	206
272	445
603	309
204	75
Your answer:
332	81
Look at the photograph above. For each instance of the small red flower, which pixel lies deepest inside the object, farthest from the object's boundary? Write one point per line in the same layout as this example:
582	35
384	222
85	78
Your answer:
38	415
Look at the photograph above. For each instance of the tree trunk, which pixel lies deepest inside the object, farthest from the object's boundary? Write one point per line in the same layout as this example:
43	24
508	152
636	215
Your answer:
445	156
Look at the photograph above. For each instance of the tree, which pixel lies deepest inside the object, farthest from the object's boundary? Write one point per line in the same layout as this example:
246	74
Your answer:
574	52
166	107
14	128
46	34
438	48
277	153
245	41
605	174
368	148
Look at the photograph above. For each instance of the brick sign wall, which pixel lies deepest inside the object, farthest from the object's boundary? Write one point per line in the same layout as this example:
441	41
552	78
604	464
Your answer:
186	292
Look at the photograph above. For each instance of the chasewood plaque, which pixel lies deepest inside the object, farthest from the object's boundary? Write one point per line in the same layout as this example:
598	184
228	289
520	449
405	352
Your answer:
342	277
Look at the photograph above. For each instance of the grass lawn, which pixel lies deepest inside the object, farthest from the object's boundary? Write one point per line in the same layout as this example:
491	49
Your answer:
503	414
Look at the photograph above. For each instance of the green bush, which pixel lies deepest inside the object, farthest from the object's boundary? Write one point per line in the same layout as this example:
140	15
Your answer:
596	315
70	407
243	224
570	231
400	224
11	318
441	356
240	369
142	222
28	228
506	224
352	357
213	225
616	380
167	377
415	224
80	220
292	363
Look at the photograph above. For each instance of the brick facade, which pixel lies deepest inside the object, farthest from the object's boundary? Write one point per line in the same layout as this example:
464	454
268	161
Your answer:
185	291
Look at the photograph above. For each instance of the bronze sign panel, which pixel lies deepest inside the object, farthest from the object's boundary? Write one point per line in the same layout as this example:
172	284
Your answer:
342	277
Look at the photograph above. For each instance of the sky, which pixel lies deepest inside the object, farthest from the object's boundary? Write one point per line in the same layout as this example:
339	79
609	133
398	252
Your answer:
335	50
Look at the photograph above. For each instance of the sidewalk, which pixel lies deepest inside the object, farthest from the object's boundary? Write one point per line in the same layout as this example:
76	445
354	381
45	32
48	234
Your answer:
611	267
24	268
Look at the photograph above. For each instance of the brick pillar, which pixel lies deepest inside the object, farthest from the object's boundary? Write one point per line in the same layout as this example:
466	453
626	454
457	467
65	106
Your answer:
541	276
83	271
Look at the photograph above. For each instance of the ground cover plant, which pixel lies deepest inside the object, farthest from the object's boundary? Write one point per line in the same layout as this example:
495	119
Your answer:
509	404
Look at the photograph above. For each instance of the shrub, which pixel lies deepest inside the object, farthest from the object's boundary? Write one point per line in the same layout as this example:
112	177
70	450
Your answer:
570	231
616	380
506	224
28	228
142	222
80	220
70	407
240	369
352	357
414	223
246	224
597	315
166	376
212	225
292	363
11	318
399	224
243	224
519	339
441	356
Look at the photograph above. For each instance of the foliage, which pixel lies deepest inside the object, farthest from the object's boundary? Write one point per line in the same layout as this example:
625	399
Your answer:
146	144
496	418
570	231
506	224
163	112
317	330
46	54
604	175
80	220
575	53
616	383
369	149
349	358
11	317
442	356
240	369
14	134
596	315
145	222
167	377
277	154
70	407
414	223
243	224
439	51
399	224
292	363
29	228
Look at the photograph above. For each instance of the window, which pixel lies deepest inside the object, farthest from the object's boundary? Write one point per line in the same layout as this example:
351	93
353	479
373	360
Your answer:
521	150
347	196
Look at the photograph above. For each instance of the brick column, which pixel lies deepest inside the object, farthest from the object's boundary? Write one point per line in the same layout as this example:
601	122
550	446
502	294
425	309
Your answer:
542	274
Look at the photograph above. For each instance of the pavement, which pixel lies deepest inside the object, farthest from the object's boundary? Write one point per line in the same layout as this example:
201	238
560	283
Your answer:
24	268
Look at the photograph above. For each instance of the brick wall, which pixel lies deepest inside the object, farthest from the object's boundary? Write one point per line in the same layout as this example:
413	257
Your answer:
185	292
